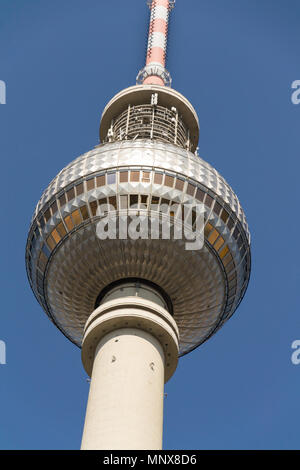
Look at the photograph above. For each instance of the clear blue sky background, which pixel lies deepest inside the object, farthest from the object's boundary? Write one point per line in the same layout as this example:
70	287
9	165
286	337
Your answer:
235	60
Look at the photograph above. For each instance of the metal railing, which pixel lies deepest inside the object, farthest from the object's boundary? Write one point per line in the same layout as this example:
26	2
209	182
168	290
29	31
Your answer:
150	122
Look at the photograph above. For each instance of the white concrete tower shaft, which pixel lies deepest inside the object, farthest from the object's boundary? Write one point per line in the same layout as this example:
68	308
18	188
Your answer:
130	349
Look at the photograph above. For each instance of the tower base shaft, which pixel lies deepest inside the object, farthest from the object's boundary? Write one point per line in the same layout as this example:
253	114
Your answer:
125	405
130	349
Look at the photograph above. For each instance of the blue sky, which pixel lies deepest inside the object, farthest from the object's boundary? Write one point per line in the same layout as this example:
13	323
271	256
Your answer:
235	60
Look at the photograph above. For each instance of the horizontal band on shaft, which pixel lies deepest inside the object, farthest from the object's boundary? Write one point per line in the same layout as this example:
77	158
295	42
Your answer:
159	12
156	54
154	80
159	26
157	40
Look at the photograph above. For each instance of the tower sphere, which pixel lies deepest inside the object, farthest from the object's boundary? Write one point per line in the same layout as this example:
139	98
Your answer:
147	161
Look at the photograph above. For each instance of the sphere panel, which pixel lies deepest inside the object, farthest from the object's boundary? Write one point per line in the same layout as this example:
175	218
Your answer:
166	156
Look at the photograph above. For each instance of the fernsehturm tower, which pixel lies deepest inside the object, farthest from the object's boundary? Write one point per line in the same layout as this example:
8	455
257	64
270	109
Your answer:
138	251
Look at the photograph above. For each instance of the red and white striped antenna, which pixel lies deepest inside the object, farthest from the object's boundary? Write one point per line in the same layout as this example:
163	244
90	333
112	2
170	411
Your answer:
155	73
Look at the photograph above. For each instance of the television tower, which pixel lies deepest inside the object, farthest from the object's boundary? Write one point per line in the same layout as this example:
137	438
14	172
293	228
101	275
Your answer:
135	301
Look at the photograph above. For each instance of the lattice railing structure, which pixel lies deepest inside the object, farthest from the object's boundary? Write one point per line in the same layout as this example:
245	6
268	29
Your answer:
150	122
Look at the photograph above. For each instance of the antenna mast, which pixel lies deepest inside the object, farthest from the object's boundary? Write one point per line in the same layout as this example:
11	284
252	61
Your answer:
155	73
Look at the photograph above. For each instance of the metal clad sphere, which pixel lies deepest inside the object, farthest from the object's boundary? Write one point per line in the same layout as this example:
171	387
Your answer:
68	264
